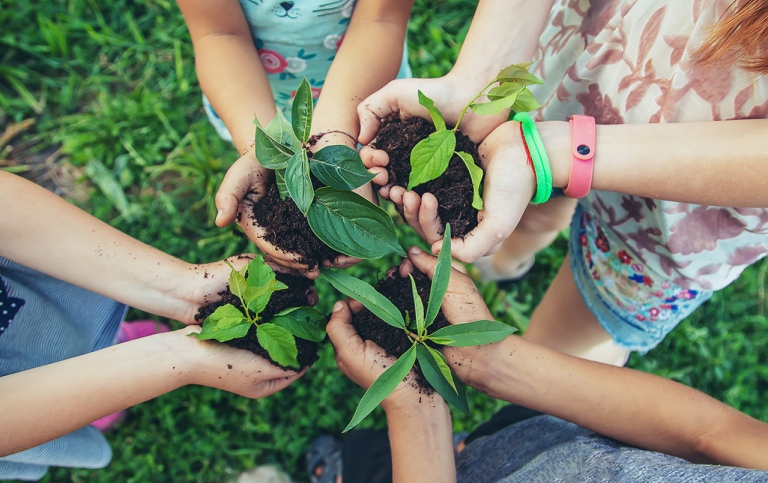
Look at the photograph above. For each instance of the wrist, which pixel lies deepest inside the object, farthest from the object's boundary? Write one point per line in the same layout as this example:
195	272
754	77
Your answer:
556	136
422	405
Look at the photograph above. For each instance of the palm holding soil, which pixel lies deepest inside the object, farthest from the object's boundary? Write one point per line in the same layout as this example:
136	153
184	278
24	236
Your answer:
482	228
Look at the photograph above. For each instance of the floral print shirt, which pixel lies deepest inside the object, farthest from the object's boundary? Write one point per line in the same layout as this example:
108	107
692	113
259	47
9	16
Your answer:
628	61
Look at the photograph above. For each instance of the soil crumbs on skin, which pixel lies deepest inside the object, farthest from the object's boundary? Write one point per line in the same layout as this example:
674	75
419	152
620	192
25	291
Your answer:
453	189
394	341
288	229
294	296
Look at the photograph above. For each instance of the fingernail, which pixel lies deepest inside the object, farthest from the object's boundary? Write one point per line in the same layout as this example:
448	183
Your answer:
338	306
415	250
218	214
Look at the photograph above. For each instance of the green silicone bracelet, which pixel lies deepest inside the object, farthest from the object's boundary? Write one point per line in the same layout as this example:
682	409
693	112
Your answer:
538	157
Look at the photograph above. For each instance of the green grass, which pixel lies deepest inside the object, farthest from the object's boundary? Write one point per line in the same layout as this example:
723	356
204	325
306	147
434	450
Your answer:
113	83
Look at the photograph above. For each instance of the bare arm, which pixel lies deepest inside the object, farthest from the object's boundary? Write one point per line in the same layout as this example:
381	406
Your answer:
356	71
719	163
46	233
419	424
228	66
631	406
88	387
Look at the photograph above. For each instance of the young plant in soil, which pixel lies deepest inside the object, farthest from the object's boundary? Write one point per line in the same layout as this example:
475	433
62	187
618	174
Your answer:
422	341
248	308
443	161
320	184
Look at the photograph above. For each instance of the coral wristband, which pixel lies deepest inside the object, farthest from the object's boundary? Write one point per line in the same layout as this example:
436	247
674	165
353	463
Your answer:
583	156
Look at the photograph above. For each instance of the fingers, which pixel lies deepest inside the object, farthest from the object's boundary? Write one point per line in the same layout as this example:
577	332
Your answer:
373	158
340	329
240	178
429	220
422	261
411	204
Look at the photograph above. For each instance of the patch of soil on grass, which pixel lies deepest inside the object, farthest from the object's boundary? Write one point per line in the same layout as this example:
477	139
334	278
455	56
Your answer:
453	189
394	341
287	228
294	296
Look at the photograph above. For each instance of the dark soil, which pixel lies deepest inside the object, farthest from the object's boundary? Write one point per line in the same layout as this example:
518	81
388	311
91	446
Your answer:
391	339
453	189
294	296
288	229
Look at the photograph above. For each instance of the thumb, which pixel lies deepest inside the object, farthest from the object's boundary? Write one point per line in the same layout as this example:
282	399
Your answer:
340	329
423	261
234	186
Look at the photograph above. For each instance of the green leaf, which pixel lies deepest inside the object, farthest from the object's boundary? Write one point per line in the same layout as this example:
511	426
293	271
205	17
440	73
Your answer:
352	225
507	89
304	322
441	378
518	73
437	117
226	323
430	157
237	283
476	174
472	333
260	296
440	279
280	129
383	387
226	316
366	295
260	274
279	343
301	111
525	102
298	181
493	107
282	189
270	153
418	307
339	167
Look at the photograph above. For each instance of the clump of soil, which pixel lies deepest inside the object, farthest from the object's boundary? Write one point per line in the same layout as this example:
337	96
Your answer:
287	227
391	339
294	296
453	189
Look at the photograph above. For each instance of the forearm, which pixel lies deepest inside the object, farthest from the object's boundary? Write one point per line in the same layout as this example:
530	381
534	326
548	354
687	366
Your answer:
421	441
356	72
228	66
633	407
46	233
44	403
721	163
235	83
502	32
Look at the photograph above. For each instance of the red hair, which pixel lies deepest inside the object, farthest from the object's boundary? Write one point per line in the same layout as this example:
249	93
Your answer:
740	37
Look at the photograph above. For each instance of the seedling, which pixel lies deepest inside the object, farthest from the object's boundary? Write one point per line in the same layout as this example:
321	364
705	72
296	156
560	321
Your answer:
430	157
254	285
432	363
342	219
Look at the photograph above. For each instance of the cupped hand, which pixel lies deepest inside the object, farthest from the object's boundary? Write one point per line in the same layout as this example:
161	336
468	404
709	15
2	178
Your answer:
508	186
451	93
200	284
218	365
363	361
245	183
462	303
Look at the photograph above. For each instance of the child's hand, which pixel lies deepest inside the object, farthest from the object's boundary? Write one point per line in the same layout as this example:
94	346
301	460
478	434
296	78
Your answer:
200	284
218	365
364	361
245	182
462	303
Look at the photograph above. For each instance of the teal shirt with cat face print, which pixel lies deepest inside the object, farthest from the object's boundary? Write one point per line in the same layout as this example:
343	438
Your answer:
296	40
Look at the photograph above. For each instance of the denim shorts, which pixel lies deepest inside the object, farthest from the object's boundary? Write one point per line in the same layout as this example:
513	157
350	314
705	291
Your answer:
634	303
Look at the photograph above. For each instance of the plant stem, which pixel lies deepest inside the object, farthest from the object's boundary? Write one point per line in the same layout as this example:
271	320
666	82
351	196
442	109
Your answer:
464	111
